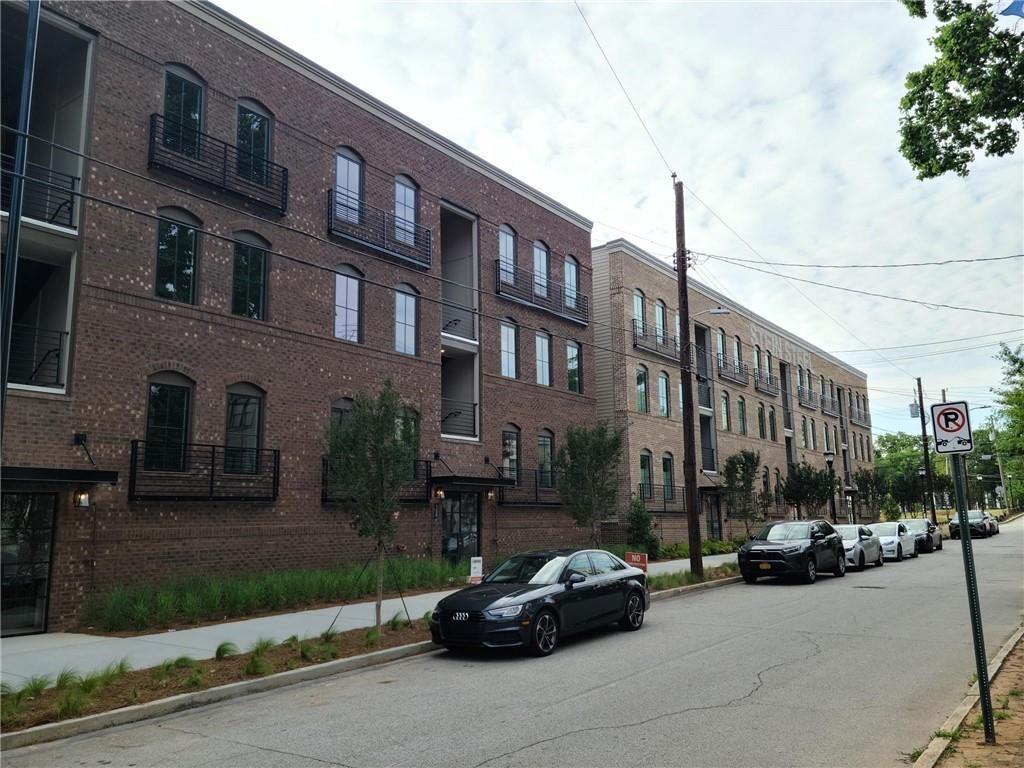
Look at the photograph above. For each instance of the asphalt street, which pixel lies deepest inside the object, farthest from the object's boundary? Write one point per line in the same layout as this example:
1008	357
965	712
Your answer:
854	671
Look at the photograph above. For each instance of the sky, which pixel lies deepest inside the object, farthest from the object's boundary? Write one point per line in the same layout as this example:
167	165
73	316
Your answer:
782	118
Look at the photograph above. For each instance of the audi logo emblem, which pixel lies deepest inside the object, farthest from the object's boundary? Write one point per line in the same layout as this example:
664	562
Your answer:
460	616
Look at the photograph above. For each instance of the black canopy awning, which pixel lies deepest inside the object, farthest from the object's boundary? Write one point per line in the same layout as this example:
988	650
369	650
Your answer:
473	483
57	475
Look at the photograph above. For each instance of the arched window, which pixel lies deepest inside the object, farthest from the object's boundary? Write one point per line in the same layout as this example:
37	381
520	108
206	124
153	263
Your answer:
252	133
646	475
348	304
543	357
168	417
510	451
573	372
507	254
572	282
737	352
761	431
509	349
757	362
831	389
249	283
540	269
772	431
720	346
869	449
642	404
767	363
778	486
668	476
828	439
835	438
183	110
348	185
765	482
406	311
660	321
639	311
821	386
863	454
741	414
177	255
814	436
799	378
546	459
726	426
663	395
406	210
803	431
243	429
341	409
856	448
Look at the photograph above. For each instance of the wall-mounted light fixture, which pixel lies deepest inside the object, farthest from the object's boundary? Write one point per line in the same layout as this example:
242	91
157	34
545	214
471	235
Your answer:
81	498
491	494
439	492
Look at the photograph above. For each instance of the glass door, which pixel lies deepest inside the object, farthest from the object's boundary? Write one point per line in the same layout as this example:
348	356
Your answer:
26	544
460	526
713	510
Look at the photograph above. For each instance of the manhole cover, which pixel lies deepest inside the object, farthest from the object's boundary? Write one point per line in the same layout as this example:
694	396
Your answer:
869	587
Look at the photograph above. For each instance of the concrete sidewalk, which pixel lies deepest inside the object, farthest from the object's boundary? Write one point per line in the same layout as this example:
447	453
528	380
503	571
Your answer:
48	654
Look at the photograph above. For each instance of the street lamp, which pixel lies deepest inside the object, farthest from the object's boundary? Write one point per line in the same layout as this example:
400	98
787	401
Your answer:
830	457
981	493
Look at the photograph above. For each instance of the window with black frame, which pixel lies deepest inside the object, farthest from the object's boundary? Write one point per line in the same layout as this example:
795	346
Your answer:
183	113
167	418
249	283
177	256
253	142
510	452
242	433
545	460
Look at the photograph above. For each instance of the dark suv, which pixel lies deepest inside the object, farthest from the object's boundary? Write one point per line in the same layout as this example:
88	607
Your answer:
802	547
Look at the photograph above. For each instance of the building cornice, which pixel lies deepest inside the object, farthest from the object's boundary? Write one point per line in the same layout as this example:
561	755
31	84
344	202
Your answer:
622	245
266	45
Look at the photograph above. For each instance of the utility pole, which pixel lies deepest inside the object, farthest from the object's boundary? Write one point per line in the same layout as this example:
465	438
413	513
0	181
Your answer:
686	376
999	463
927	458
10	270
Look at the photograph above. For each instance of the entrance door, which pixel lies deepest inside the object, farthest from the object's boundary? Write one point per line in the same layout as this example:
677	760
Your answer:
460	526
26	544
713	514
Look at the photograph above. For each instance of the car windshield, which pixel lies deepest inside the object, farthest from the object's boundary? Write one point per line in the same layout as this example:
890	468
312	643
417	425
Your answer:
916	525
848	532
528	569
784	532
884	529
975	514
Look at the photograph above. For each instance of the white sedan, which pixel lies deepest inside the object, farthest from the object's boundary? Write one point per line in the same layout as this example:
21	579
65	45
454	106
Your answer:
897	542
861	545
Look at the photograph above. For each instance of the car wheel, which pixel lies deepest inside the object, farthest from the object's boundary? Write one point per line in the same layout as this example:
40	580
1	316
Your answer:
544	634
840	569
939	545
955	535
899	553
812	571
881	559
917	549
633	618
860	562
750	578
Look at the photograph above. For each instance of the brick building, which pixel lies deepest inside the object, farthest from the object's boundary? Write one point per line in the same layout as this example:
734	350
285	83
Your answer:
224	243
759	387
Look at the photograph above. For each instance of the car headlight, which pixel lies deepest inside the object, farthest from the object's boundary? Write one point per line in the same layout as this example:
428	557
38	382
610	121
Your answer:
791	550
505	613
848	547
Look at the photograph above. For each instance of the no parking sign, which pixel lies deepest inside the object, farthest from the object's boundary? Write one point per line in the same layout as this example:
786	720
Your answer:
951	424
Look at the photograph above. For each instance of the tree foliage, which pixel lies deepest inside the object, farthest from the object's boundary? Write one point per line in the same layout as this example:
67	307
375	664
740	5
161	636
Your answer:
741	472
808	488
639	531
1010	435
871	486
587	481
371	455
970	99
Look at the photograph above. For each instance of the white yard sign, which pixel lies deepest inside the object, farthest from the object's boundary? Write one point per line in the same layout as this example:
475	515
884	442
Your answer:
951	426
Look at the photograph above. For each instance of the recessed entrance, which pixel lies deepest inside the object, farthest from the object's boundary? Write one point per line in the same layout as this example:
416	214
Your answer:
460	526
27	547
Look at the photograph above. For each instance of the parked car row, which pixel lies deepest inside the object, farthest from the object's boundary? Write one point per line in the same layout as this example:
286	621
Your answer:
981	523
805	548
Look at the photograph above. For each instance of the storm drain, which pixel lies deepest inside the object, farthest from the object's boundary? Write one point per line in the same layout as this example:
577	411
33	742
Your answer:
869	587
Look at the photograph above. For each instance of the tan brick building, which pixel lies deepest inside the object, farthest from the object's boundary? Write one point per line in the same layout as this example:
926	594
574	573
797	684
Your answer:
758	387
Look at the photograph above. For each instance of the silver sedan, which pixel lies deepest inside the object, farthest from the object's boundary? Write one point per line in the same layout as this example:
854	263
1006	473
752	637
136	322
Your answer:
861	545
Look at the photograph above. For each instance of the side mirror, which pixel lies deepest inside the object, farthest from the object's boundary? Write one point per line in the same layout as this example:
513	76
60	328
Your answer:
750	537
575	578
817	535
865	537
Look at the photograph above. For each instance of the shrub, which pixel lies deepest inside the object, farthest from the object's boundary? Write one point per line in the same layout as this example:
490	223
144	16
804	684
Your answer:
261	646
163	671
34	686
184	662
396	622
328	634
639	532
372	636
165	607
257	666
195	678
71	703
224	650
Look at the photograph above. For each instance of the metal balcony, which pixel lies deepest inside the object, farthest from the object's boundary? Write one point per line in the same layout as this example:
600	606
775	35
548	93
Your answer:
733	370
766	383
808	398
358	222
333	487
458	417
859	417
662	498
830	406
658	342
457	320
522	286
534	487
704	394
48	195
37	356
203	158
708	459
200	472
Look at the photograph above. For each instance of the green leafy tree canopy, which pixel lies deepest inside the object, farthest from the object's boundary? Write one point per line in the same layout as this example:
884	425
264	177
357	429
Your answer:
587	477
741	471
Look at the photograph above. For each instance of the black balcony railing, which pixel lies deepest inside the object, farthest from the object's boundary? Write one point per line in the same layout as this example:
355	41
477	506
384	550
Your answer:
198	472
533	487
766	383
356	221
704	396
48	195
458	417
334	487
458	320
708	459
523	286
860	417
201	157
830	406
733	370
37	356
808	398
662	498
652	340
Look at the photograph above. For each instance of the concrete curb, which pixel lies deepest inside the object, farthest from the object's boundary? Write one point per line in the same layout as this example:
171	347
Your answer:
937	746
67	728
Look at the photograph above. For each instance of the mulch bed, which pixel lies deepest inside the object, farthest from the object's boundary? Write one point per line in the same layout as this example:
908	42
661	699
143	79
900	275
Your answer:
141	686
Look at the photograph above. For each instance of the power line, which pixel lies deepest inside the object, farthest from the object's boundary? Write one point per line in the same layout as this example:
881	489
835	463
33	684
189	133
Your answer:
927	304
925	343
862	266
943	352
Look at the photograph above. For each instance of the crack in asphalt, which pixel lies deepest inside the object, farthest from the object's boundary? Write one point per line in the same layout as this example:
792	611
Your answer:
254	746
818	650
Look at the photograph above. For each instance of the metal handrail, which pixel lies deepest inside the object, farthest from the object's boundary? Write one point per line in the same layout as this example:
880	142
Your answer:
540	291
732	370
172	471
37	356
646	338
48	195
458	417
333	487
354	219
